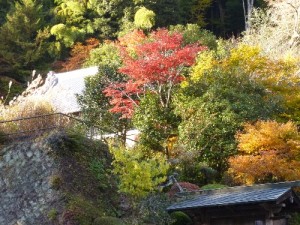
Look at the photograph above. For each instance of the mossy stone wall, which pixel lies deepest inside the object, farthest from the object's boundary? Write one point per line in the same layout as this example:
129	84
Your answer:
48	181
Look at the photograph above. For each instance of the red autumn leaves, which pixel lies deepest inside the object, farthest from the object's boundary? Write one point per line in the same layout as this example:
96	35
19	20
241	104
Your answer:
152	63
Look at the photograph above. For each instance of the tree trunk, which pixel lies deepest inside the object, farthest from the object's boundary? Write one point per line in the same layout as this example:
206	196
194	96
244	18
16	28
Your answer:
221	6
247	12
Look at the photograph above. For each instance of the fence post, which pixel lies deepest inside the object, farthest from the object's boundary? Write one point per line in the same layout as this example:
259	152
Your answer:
59	121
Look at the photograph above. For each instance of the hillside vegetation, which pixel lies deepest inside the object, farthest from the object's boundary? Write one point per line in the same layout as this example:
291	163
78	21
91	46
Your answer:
212	111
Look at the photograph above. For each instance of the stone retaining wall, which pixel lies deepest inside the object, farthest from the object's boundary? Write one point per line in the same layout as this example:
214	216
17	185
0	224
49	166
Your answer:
51	181
26	193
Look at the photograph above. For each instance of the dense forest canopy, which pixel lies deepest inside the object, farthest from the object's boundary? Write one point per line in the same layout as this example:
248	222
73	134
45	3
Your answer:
211	85
136	41
68	34
37	33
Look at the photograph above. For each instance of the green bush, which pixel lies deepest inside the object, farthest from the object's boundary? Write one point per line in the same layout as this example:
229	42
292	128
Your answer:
99	169
181	218
193	33
84	210
295	219
108	221
213	186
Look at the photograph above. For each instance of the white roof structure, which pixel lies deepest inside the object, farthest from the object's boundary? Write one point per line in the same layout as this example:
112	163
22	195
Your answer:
60	89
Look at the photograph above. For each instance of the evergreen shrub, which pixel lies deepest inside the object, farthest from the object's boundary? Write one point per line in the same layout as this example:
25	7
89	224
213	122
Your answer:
181	218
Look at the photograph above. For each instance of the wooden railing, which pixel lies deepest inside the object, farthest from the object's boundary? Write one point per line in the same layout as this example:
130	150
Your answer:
33	126
25	127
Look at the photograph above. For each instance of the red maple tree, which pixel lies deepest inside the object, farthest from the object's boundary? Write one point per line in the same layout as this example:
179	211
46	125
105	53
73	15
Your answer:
152	64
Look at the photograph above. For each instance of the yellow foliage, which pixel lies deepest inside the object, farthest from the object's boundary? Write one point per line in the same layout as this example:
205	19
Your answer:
279	76
249	60
205	62
144	18
266	135
269	151
171	142
138	173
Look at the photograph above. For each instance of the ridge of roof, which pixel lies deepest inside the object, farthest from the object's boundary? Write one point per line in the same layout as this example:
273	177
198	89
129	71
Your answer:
288	184
270	192
87	71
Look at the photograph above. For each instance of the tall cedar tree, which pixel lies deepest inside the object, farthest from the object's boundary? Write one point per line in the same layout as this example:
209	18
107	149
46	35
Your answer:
154	64
22	40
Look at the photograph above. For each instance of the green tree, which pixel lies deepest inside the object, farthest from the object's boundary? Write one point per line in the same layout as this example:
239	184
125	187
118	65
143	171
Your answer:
77	20
156	123
4	8
167	12
109	17
199	11
214	108
193	33
160	13
74	21
144	18
23	45
185	10
94	104
278	76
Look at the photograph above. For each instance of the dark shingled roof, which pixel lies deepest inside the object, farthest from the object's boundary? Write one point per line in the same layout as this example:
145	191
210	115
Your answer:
238	195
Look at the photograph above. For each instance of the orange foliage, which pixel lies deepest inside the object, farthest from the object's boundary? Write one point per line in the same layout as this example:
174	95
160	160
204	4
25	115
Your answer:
270	151
132	39
79	53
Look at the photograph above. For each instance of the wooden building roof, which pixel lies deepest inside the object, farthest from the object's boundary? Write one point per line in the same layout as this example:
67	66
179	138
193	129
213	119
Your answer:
264	193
